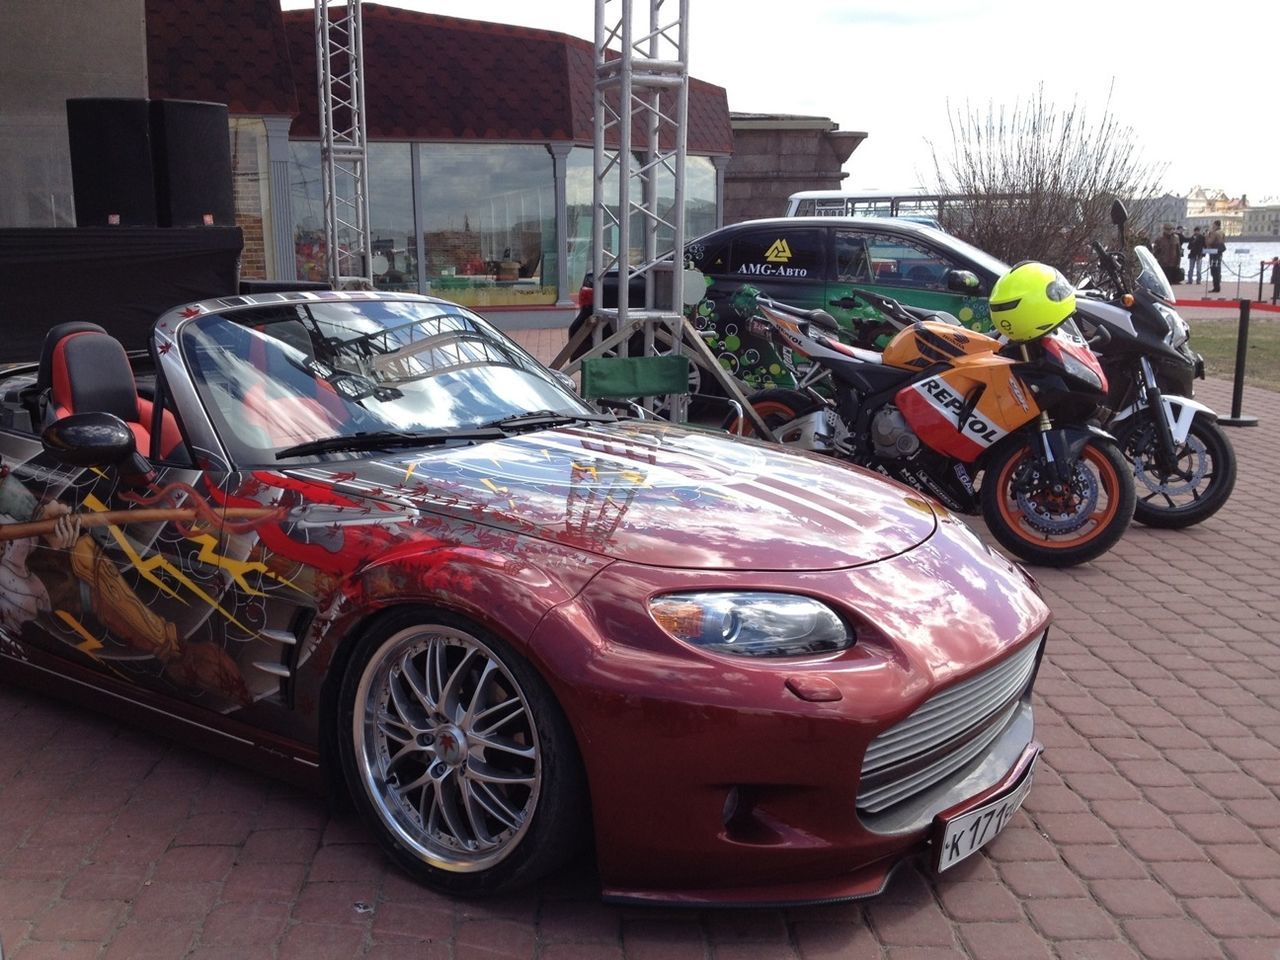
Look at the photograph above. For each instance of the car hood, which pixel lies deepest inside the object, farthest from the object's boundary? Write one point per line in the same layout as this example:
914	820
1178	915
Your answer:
652	494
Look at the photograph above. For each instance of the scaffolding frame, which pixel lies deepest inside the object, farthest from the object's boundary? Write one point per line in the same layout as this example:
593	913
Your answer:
629	83
344	159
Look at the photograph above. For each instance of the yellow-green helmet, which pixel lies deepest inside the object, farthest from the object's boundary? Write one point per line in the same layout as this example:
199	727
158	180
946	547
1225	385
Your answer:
1030	300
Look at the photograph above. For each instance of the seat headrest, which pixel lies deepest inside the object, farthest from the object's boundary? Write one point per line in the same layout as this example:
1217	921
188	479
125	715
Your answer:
44	377
91	373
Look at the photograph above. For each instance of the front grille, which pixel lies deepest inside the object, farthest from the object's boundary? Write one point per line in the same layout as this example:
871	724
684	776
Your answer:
944	734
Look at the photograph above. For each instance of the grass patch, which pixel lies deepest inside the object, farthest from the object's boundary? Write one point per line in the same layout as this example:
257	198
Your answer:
1216	342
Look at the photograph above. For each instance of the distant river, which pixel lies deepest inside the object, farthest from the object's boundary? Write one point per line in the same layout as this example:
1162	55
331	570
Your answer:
1236	262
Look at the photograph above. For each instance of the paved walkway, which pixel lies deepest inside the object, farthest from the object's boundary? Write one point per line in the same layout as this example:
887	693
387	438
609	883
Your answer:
1153	829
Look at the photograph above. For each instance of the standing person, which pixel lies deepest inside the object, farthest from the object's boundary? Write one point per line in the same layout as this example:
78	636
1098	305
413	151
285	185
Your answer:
1275	279
1216	241
1195	257
1166	249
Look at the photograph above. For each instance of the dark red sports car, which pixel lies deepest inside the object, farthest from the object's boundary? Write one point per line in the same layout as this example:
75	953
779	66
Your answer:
368	535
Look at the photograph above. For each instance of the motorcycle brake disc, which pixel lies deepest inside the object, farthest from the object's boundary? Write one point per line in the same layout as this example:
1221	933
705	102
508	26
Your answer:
1148	473
1084	492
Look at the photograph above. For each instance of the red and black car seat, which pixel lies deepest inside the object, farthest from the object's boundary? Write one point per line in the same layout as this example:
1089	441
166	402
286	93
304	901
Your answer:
89	372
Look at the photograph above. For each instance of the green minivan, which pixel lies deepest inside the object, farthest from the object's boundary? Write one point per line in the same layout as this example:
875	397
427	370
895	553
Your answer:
816	262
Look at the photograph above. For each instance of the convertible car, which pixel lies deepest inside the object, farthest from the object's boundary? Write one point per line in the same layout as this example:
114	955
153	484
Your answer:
368	541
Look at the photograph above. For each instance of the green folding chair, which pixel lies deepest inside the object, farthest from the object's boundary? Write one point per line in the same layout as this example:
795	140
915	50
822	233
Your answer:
628	380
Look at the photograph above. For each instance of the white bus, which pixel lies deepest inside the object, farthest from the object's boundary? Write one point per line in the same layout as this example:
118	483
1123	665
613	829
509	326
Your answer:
915	205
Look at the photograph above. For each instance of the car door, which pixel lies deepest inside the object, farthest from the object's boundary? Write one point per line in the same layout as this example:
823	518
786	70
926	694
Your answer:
116	573
787	263
911	270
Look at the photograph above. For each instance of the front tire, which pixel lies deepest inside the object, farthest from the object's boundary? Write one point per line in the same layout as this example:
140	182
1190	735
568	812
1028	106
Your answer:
1202	482
457	755
1064	527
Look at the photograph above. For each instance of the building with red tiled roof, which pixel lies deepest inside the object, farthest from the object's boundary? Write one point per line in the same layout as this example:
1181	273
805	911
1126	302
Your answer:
480	164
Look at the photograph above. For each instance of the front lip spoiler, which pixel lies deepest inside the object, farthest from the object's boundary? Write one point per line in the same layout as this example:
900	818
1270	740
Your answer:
869	880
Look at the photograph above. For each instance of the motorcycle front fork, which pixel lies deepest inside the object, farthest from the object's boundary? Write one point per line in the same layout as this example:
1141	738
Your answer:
1166	450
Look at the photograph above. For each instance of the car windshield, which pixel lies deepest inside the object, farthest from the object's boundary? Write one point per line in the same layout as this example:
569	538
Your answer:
273	378
1150	277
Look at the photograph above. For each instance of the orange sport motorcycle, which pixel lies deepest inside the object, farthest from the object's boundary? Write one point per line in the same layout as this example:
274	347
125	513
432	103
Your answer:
978	423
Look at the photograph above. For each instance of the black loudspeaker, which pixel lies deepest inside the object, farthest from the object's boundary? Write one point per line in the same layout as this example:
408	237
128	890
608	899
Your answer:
191	145
112	171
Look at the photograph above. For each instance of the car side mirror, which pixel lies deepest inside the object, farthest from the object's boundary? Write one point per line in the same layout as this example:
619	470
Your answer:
963	281
1119	214
89	440
96	440
565	381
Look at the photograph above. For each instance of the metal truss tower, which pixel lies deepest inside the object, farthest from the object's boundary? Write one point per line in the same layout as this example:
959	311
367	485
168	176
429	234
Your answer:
629	83
343	146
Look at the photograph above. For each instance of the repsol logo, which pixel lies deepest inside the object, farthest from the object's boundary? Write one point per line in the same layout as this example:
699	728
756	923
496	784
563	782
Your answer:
772	270
944	399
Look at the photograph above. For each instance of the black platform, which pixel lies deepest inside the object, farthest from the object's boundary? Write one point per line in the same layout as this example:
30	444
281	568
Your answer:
120	277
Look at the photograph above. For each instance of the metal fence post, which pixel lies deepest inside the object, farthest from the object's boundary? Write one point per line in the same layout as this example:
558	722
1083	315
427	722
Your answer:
1237	419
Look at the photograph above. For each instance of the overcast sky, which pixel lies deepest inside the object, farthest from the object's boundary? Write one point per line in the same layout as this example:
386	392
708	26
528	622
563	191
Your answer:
1200	94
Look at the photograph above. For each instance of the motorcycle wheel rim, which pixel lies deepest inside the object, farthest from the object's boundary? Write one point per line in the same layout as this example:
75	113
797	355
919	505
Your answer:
1108	483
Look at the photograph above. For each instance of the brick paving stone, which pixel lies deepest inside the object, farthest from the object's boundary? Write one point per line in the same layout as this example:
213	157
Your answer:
1126	814
979	900
1046	878
1204	879
1096	950
580	951
175	900
1134	898
1171	939
1004	941
1103	862
78	920
827	940
917	924
1161	844
664	940
263	881
321	941
1246	860
1068	829
336	902
1209	828
1071	920
152	940
756	951
413	921
1233	918
249	926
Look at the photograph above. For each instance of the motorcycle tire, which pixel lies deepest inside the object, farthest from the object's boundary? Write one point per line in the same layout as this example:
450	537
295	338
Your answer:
776	407
1026	522
1207	457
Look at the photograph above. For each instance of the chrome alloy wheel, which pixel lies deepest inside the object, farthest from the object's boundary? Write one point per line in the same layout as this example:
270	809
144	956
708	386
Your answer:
447	748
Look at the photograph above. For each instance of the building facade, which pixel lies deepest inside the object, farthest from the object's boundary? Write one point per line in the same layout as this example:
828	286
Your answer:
480	169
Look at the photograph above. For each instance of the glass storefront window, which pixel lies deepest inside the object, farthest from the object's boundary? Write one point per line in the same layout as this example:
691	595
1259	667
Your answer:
699	207
490	223
391	234
306	199
489	218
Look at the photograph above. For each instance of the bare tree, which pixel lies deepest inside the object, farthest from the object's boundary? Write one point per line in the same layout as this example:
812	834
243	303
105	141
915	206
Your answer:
1036	180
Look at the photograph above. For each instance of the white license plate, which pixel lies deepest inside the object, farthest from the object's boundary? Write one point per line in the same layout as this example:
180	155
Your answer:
969	832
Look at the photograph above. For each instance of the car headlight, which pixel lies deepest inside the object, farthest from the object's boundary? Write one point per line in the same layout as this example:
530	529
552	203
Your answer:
752	624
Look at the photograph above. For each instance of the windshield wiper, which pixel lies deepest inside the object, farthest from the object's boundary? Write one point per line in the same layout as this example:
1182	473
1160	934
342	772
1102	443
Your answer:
379	439
548	418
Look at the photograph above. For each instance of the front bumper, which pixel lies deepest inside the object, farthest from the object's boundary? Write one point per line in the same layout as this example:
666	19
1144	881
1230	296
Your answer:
717	780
